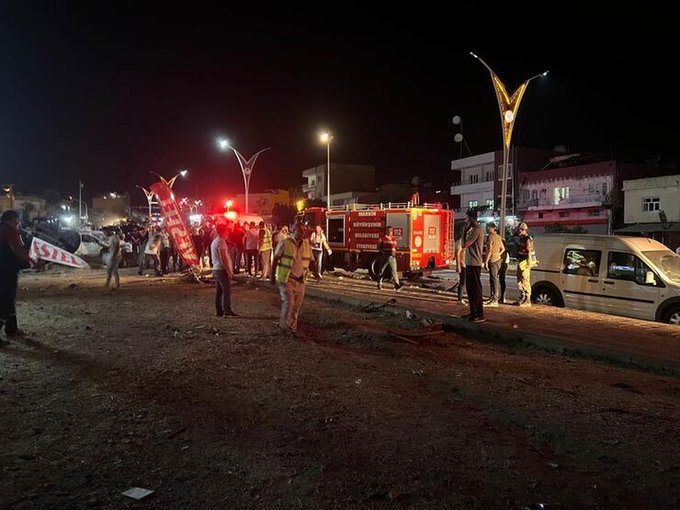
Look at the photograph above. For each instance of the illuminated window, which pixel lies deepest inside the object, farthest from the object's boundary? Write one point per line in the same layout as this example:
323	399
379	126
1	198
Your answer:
489	203
472	203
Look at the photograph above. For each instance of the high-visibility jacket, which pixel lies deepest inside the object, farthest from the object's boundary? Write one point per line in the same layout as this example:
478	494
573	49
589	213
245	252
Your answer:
292	255
266	240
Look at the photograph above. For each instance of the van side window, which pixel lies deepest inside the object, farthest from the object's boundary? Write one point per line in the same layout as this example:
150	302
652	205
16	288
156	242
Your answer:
582	262
626	266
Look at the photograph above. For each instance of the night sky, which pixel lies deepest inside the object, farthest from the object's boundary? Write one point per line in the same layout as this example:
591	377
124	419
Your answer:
106	93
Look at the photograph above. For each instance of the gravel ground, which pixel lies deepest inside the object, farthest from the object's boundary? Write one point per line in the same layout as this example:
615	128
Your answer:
144	387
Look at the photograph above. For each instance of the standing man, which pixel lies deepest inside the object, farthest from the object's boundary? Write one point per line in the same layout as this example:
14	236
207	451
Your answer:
525	251
460	266
319	244
250	238
265	247
13	258
505	260
151	253
222	272
292	259
388	249
474	246
115	256
492	261
164	251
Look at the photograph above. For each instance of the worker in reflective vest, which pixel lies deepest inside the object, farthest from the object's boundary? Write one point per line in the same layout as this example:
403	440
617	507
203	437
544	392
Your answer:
265	247
292	260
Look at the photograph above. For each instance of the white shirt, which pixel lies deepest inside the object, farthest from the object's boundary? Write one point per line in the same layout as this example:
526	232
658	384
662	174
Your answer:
217	248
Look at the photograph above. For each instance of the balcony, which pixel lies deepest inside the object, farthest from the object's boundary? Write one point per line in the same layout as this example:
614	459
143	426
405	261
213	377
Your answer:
477	187
587	200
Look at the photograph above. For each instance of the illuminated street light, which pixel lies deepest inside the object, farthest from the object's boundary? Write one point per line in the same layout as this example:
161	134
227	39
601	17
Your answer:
508	107
170	182
326	137
149	198
247	165
300	205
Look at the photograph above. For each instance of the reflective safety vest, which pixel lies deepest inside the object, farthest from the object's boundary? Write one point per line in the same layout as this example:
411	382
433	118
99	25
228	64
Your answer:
266	240
290	252
286	262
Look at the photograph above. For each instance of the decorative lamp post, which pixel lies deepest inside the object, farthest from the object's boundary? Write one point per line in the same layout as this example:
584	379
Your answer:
508	107
247	165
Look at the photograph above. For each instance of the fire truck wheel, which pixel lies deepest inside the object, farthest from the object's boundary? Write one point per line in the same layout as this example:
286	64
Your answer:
373	267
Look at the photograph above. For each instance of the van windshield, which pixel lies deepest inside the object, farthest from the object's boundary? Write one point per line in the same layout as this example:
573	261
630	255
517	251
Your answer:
667	261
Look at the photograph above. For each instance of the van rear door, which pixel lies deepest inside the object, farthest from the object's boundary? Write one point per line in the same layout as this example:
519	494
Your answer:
626	287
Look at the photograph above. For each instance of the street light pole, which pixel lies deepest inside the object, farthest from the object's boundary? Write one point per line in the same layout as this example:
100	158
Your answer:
149	198
508	107
247	165
170	183
326	138
80	203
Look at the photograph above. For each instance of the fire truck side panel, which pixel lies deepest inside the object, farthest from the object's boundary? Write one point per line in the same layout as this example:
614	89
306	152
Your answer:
432	233
400	222
365	230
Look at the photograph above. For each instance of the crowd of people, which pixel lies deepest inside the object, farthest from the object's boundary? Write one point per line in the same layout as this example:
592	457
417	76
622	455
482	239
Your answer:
472	257
286	257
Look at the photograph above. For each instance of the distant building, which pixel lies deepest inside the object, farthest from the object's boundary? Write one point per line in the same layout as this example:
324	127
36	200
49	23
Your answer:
652	208
478	180
28	206
263	203
344	178
575	190
109	209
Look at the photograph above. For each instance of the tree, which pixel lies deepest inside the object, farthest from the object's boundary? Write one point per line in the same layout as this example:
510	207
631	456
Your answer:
558	228
283	214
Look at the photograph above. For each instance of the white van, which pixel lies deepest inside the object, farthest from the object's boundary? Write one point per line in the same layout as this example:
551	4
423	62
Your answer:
630	276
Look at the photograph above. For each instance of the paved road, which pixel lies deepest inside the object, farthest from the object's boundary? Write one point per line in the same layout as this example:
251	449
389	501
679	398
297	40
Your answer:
643	343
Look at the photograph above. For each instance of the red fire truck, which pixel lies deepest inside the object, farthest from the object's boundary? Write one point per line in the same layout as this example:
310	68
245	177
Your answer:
424	234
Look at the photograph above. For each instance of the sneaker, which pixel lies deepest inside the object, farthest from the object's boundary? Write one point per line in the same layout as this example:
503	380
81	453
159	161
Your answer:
478	320
379	285
463	302
491	304
231	314
398	286
525	303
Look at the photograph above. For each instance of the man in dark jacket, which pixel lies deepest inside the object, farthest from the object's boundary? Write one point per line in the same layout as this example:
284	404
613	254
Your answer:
13	257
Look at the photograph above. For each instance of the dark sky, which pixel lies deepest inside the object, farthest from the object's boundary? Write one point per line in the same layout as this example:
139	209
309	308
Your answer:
106	93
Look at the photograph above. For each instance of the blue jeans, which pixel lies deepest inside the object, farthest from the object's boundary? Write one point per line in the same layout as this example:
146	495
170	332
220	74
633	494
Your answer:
222	292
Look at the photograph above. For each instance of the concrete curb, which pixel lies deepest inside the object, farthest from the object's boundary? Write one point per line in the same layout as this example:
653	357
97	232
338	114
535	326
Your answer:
499	334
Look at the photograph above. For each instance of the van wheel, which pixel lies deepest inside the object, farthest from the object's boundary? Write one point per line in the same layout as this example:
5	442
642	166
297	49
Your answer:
545	296
673	316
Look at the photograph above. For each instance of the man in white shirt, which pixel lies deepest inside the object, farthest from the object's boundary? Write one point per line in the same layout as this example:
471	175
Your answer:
222	272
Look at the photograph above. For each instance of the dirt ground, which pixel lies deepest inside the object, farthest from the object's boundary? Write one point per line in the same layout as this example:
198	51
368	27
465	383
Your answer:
145	387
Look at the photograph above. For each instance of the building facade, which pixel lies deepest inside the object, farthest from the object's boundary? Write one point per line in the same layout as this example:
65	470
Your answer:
575	191
652	208
344	178
262	204
474	182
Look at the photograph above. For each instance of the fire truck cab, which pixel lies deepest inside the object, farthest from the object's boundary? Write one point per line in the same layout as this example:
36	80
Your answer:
424	235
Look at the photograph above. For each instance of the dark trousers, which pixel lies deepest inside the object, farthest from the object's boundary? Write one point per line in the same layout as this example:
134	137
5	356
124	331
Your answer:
8	298
252	258
222	292
494	271
461	284
165	257
473	283
501	278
